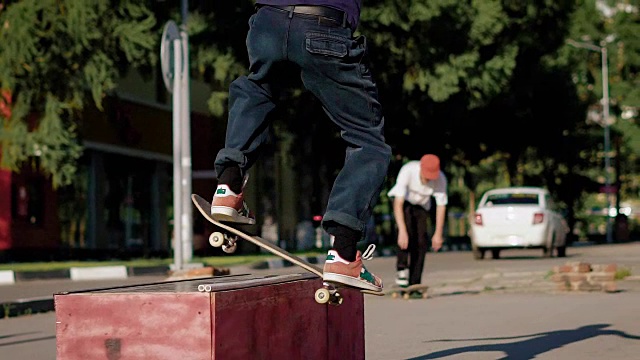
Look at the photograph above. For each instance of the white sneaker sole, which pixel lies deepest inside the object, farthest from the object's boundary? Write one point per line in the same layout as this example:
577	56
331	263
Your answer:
350	281
227	214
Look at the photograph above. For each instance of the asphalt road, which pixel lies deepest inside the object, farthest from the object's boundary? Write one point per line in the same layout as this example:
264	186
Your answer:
489	309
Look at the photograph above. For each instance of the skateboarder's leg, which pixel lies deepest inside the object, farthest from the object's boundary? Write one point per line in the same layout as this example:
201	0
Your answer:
402	267
251	100
403	257
337	74
416	220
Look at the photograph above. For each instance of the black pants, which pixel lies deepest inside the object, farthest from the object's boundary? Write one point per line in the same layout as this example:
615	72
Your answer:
418	223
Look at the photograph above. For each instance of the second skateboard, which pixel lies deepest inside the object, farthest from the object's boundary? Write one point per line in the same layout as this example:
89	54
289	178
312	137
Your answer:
417	291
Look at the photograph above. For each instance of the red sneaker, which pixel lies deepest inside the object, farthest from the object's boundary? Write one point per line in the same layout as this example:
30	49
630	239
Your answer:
230	207
354	274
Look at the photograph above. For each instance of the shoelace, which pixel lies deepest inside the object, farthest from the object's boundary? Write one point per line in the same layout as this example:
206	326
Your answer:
245	179
368	254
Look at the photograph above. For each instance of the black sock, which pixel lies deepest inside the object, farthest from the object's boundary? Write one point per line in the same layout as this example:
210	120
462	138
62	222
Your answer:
345	240
232	177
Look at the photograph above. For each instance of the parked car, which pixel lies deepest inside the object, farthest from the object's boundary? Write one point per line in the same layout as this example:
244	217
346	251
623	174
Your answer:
518	218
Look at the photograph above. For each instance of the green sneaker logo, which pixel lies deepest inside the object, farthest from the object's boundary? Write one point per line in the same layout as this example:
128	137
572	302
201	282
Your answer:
331	257
366	275
221	191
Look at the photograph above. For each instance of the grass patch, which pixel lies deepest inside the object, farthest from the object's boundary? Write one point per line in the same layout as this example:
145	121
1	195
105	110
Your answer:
215	261
622	273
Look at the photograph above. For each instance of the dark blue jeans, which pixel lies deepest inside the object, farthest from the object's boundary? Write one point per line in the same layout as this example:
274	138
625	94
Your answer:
332	65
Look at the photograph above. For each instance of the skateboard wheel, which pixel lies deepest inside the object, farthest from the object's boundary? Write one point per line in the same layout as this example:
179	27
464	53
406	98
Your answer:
395	295
406	296
322	296
216	239
230	249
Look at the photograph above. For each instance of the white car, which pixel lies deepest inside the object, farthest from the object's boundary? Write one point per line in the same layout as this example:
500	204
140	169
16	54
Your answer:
517	217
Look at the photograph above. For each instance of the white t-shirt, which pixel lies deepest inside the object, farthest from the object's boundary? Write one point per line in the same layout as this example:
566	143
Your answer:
409	186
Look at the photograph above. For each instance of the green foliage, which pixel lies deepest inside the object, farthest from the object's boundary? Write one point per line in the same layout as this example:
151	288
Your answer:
622	273
217	47
53	54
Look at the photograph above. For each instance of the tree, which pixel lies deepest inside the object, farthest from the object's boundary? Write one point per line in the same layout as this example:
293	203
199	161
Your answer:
57	55
465	80
614	25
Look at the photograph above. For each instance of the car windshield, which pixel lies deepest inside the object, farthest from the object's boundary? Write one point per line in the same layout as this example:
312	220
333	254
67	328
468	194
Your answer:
512	199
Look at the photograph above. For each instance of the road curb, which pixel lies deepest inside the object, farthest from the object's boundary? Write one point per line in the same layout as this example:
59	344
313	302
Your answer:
29	306
83	273
7	277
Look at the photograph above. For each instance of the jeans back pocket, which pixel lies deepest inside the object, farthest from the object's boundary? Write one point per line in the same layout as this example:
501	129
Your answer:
325	44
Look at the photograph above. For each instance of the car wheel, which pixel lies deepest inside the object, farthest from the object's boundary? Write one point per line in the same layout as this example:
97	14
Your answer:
495	253
562	251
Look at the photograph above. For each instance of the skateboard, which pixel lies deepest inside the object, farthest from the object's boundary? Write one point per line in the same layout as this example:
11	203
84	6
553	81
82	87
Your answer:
404	292
229	235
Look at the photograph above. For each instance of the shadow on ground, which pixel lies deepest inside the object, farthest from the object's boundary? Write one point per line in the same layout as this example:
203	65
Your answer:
532	345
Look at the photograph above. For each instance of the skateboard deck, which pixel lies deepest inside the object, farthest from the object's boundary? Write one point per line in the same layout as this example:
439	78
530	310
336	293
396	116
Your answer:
405	292
230	234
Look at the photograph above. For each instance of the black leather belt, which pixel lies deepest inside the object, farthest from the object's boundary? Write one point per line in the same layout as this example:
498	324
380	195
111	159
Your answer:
336	15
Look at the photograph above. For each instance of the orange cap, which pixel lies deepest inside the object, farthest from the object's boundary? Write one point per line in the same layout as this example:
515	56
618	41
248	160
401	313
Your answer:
430	167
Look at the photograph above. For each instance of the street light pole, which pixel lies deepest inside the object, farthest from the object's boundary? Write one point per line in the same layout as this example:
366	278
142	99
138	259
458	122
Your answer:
607	135
602	49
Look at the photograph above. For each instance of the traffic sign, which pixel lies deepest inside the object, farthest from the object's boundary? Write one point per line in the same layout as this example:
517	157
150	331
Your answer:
167	61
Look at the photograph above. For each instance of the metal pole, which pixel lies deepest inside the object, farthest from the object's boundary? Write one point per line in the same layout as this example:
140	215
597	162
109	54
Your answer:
607	136
185	109
602	49
177	176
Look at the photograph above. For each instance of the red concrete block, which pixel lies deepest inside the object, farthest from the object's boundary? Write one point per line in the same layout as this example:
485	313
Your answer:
345	327
274	322
244	317
133	326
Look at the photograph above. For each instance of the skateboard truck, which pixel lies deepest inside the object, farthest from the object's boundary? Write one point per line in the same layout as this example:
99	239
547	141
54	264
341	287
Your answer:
224	240
328	293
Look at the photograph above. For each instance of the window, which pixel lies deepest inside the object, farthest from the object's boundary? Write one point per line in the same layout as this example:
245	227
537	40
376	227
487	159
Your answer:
512	199
27	201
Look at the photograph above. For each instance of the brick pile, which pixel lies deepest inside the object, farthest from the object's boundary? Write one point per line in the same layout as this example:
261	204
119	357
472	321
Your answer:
582	276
